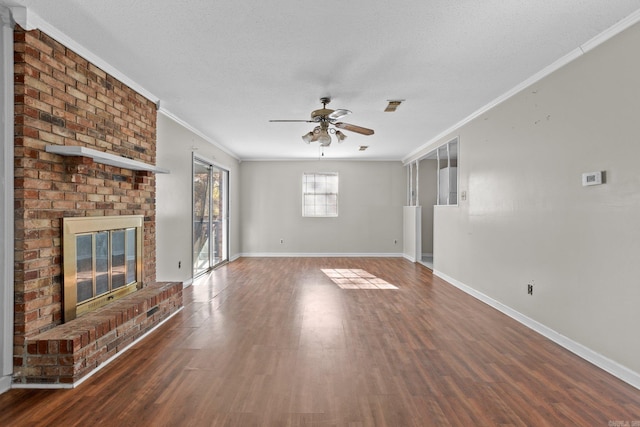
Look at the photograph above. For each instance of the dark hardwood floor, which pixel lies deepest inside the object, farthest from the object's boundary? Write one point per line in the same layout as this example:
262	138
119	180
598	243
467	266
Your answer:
274	342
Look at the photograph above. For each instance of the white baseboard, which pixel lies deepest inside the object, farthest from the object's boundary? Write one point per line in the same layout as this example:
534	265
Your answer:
610	366
105	363
409	257
318	255
5	383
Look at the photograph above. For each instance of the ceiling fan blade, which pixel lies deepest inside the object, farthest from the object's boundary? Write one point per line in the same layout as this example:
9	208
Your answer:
291	121
354	128
336	114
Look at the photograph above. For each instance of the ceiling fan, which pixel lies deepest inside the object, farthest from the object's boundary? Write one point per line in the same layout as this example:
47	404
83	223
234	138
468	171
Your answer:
325	118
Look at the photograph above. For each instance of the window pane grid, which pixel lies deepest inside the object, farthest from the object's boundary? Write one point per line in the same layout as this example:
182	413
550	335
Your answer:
320	194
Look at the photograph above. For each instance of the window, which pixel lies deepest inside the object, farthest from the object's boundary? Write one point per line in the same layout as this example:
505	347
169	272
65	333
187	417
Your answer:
320	194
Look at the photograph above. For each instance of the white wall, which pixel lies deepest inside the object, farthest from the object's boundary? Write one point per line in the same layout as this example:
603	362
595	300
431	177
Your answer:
175	147
371	196
6	199
528	219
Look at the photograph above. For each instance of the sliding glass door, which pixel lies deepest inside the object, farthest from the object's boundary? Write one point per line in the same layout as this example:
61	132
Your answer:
210	230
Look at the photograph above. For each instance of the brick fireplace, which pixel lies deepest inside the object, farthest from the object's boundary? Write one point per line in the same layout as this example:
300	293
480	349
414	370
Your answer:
63	100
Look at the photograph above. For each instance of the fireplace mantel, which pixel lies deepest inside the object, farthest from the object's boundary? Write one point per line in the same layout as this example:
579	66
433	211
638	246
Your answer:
104	158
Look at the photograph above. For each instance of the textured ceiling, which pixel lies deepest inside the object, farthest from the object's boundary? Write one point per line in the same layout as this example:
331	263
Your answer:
226	67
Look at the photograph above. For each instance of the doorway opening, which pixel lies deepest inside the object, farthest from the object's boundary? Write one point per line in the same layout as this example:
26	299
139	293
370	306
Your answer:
210	216
438	188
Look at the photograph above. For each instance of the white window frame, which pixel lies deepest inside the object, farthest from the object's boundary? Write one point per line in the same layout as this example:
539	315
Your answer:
308	194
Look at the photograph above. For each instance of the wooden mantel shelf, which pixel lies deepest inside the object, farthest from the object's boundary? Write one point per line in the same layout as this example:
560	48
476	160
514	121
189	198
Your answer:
104	158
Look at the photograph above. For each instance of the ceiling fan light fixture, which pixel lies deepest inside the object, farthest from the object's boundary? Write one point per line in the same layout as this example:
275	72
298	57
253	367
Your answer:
324	139
307	137
326	120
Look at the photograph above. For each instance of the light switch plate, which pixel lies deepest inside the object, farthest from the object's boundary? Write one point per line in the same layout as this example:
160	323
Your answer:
591	178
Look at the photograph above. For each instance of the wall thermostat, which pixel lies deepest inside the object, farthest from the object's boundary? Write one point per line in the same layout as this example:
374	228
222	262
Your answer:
591	178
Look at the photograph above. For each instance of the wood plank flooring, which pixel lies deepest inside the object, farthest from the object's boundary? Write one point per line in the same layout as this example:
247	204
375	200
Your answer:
274	342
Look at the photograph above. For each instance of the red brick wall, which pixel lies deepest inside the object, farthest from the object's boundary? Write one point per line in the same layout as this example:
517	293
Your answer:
62	99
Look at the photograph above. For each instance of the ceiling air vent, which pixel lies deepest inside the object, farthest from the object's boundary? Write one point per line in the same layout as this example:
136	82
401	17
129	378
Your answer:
393	105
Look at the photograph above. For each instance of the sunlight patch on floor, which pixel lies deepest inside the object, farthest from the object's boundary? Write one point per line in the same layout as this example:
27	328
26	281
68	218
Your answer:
356	279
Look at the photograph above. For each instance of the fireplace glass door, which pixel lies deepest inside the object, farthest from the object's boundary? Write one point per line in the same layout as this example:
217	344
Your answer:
105	261
210	187
102	260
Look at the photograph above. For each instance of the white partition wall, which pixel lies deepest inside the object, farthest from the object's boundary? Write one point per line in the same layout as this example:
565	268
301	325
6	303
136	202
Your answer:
412	233
525	219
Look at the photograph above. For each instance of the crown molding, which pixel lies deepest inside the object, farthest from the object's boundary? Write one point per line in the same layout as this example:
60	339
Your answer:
6	17
607	34
192	129
29	20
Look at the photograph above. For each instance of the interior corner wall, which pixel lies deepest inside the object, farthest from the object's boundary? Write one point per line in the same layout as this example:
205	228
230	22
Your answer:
175	147
6	199
371	196
527	219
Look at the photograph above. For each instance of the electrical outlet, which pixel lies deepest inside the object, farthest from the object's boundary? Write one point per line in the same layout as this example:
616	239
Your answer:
530	289
281	241
395	241
179	264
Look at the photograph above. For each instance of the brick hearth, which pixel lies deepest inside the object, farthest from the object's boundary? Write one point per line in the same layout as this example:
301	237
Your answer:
70	351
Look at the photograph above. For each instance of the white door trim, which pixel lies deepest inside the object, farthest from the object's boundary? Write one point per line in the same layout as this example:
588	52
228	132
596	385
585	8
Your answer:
6	198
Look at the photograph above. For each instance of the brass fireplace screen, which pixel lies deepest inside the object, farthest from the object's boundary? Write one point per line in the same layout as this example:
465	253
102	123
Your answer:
102	259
